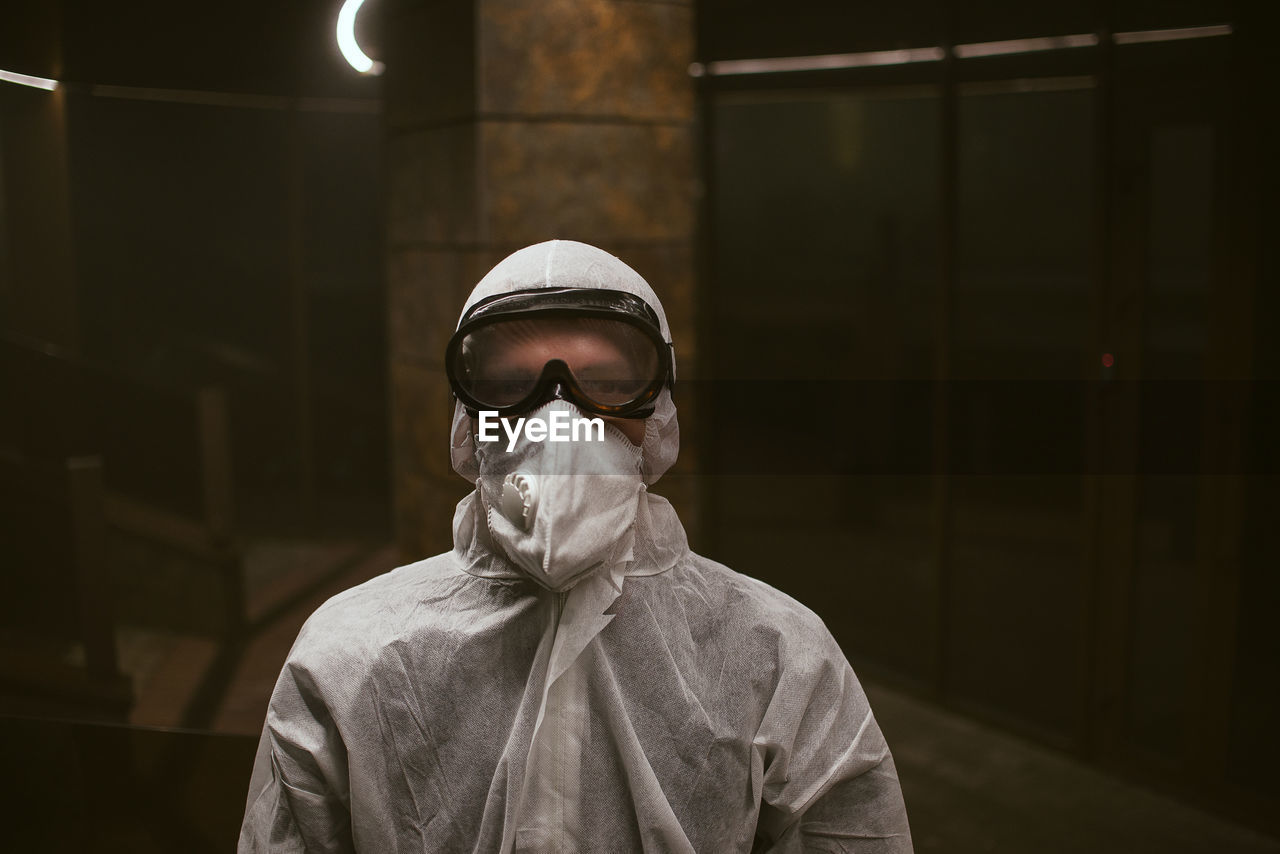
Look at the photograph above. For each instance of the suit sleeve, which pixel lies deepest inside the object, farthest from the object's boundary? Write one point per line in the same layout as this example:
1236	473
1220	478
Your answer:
827	781
298	799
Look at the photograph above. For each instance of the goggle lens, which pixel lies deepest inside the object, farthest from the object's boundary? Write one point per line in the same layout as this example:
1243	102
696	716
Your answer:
612	361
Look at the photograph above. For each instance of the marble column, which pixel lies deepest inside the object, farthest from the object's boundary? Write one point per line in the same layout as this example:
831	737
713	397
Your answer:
510	122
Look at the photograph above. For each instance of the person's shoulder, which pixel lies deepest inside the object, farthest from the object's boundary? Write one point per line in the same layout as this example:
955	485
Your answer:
742	589
759	622
748	600
365	615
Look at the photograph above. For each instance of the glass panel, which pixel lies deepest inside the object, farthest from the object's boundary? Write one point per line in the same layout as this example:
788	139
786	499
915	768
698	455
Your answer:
5	272
826	269
180	521
826	224
1016	600
1180	223
1254	749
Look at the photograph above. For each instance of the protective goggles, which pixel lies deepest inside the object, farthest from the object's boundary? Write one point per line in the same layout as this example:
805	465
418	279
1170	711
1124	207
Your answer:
599	349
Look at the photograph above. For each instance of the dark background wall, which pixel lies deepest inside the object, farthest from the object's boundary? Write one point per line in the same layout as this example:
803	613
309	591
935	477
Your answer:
991	358
220	199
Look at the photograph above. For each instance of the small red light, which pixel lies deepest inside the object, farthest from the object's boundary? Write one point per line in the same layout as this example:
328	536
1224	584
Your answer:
1108	360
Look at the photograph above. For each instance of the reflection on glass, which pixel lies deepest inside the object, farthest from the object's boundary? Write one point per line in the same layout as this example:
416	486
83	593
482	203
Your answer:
167	548
1179	236
1019	326
826	216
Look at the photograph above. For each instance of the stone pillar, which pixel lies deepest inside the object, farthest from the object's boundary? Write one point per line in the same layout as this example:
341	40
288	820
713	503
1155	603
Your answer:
510	122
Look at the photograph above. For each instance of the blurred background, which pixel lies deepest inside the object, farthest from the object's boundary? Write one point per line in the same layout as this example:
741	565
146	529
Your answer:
973	305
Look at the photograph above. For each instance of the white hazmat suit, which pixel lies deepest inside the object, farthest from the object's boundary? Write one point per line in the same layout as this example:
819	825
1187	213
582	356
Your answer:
663	703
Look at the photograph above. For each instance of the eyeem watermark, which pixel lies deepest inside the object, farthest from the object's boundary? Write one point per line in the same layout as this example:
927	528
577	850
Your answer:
560	427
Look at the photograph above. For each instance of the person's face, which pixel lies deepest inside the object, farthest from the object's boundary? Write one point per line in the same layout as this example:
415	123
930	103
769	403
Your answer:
589	353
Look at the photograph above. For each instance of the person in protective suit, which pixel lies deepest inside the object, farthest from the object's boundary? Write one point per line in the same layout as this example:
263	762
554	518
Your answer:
570	677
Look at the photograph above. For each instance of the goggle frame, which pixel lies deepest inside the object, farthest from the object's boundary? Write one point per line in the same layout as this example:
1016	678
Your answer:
556	379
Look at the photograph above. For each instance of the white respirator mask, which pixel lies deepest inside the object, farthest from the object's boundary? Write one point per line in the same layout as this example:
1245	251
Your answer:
560	508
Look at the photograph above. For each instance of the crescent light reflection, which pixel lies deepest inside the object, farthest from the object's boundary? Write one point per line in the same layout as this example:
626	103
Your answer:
28	80
347	40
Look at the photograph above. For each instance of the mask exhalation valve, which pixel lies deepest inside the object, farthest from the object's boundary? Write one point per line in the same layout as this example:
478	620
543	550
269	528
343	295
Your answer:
520	499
